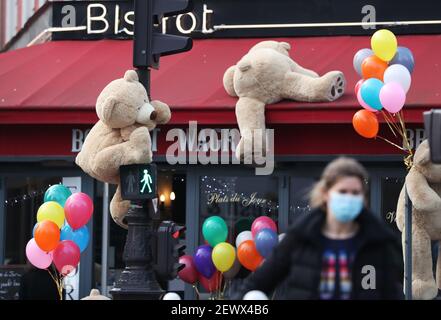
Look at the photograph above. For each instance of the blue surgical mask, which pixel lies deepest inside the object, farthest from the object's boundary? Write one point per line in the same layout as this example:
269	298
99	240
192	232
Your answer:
345	207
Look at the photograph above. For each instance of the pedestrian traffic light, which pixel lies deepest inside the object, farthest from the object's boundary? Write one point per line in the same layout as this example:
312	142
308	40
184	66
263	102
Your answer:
138	181
150	45
169	250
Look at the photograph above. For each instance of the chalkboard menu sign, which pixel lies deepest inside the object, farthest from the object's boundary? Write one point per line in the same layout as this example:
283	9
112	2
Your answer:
10	278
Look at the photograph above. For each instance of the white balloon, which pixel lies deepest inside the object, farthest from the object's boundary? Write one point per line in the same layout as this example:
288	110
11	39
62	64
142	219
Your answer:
399	74
171	296
243	236
255	295
281	236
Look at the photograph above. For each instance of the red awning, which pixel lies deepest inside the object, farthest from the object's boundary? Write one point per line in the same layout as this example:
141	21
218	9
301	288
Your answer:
58	82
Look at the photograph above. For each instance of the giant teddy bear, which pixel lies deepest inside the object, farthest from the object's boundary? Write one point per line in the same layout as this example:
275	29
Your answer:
423	183
121	136
265	75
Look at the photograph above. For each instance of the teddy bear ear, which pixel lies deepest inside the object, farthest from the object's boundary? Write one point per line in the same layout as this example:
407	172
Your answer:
107	109
285	45
131	76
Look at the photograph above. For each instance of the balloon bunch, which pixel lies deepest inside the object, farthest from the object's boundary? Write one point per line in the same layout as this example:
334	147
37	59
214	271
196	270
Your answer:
218	260
60	234
386	71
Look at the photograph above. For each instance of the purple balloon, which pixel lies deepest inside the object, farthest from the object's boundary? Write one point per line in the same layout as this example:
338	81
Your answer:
203	262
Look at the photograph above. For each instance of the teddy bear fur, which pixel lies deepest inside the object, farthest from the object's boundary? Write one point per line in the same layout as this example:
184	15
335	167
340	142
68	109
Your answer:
266	75
121	136
423	183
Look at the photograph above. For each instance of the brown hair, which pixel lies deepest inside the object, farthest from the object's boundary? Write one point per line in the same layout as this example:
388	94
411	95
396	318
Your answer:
334	171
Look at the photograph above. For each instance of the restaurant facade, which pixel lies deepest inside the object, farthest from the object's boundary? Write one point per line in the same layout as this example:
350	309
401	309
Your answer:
47	107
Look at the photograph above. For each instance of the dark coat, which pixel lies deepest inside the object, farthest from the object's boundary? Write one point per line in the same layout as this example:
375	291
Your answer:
297	261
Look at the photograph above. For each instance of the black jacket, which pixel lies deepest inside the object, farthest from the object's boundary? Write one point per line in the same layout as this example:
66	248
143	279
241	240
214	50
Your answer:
297	261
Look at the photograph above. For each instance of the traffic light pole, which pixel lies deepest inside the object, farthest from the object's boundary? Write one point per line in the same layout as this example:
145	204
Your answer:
138	280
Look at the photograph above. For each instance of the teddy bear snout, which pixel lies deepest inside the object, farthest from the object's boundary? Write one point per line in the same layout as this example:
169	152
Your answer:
146	113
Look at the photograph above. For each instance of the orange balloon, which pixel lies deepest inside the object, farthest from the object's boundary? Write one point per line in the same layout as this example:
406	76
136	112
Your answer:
373	67
248	255
365	123
47	235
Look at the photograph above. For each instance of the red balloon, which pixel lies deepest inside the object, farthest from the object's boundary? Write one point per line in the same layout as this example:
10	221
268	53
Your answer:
211	284
189	274
66	256
78	210
263	222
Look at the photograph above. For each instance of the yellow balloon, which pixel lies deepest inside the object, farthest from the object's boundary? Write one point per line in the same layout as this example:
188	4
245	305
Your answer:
51	211
384	44
223	256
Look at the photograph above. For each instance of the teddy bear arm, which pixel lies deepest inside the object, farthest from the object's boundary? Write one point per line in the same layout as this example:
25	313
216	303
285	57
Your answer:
423	197
250	114
163	113
127	131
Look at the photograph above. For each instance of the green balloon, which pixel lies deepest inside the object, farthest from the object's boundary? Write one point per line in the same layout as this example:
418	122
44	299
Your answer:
214	230
58	193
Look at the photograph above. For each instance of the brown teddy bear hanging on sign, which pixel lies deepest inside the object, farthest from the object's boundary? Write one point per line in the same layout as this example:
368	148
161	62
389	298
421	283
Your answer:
266	75
121	136
423	183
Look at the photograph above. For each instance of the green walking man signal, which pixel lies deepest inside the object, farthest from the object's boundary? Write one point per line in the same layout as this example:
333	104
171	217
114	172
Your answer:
138	181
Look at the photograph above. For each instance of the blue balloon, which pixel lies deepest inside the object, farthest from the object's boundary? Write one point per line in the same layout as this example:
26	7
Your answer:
370	92
266	240
58	193
33	230
405	57
79	236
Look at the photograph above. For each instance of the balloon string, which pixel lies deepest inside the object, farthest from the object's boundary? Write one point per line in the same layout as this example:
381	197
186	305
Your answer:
390	123
197	292
58	283
390	142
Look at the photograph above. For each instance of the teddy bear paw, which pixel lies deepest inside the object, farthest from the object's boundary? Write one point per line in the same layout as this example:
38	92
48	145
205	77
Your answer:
337	84
424	289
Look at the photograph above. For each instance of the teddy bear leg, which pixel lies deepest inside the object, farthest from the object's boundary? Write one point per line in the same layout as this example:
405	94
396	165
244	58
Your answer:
119	208
250	114
229	81
423	282
295	67
299	87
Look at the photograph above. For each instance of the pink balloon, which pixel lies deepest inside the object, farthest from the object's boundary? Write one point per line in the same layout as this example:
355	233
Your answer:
78	210
39	258
358	85
263	222
392	97
363	104
66	256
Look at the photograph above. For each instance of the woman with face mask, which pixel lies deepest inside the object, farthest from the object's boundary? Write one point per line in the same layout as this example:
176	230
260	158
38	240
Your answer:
339	251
